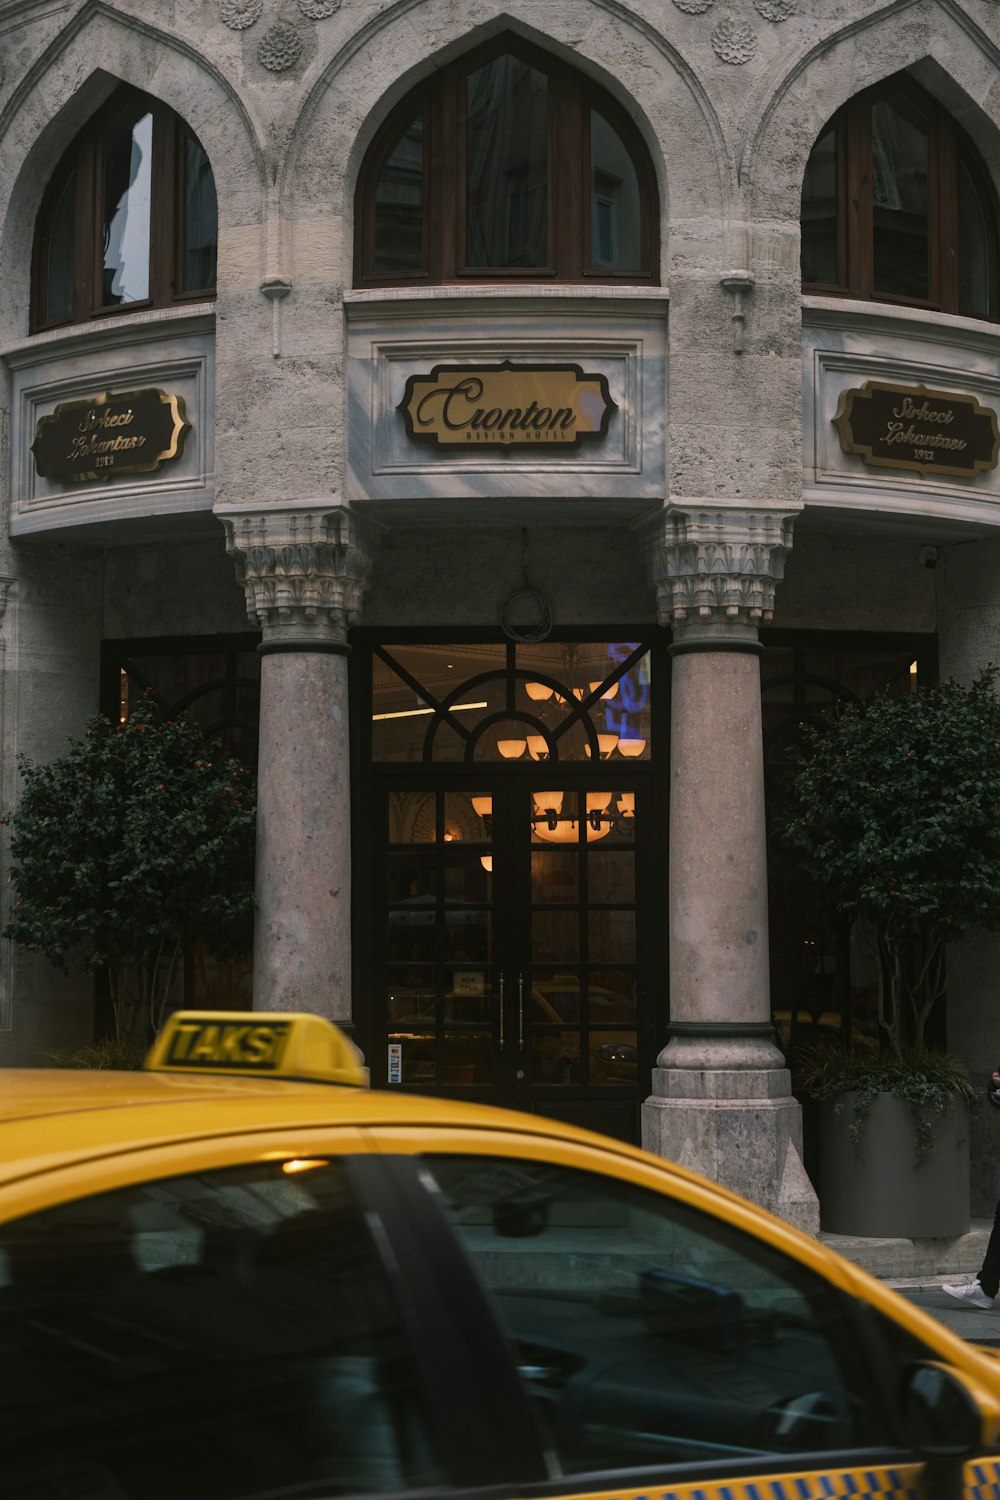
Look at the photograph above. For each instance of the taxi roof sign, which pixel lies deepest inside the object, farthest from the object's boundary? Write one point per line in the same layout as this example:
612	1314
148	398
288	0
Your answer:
272	1044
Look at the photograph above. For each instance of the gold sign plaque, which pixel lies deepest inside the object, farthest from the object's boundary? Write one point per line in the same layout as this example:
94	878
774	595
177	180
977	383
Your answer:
913	427
458	406
103	437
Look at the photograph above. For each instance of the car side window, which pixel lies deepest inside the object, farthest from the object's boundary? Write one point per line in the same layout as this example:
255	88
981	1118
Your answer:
649	1333
222	1334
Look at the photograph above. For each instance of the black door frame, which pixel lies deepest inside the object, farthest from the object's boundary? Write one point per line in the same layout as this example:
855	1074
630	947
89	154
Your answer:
370	781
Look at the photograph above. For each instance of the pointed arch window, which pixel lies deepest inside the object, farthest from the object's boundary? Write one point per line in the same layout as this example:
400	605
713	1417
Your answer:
129	219
897	207
507	165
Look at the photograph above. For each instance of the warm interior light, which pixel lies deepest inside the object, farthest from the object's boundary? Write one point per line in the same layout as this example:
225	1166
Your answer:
414	713
538	747
511	749
538	691
482	806
605	745
631	747
598	801
548	802
611	692
626	804
486	860
564	831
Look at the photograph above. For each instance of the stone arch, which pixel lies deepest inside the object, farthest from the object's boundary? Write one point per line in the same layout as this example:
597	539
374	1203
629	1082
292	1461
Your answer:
355	91
51	104
931	39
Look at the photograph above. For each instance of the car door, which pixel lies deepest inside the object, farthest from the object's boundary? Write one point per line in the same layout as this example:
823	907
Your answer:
661	1347
243	1319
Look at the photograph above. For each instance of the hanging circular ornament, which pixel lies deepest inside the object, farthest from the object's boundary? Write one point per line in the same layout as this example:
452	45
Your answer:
280	47
525	616
734	41
318	10
239	14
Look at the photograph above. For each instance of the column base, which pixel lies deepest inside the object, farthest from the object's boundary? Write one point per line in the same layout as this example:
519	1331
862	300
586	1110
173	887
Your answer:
740	1128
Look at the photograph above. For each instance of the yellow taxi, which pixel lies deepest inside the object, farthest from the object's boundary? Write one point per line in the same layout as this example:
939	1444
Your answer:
242	1275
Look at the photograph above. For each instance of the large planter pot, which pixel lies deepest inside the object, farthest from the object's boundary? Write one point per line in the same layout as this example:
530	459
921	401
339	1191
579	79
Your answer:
877	1188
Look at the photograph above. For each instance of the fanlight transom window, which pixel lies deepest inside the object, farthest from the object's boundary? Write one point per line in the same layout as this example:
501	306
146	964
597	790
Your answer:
897	207
506	165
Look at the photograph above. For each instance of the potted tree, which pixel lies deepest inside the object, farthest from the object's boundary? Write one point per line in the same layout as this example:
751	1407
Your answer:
130	850
892	821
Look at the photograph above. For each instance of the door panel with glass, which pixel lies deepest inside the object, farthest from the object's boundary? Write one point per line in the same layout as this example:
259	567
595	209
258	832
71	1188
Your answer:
511	942
513	807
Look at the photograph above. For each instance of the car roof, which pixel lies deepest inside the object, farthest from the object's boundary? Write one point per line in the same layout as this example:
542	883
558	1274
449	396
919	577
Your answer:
69	1115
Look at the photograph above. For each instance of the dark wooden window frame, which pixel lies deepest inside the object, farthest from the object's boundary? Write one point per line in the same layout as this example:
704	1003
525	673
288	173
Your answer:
948	147
167	217
440	103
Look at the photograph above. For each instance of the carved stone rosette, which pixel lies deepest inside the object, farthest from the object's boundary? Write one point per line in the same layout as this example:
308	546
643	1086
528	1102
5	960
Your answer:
305	572
718	567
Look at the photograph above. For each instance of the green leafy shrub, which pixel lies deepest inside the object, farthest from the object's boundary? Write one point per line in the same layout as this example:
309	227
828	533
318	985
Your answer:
892	818
930	1081
131	849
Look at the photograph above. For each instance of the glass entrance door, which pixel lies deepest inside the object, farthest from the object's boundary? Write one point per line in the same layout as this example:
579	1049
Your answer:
514	955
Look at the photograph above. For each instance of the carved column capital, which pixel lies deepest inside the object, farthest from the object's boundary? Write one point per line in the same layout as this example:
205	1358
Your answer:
305	573
715	567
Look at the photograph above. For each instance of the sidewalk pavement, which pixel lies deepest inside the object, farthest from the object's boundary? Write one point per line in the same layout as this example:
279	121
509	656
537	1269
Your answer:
917	1269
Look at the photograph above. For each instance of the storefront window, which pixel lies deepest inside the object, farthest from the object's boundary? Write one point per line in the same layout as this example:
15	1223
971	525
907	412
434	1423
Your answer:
215	681
824	976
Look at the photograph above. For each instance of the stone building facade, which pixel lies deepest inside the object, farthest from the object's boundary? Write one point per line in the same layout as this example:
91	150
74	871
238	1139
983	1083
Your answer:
521	672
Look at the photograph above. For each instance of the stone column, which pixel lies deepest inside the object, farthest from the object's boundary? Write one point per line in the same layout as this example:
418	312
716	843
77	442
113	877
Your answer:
721	1101
305	573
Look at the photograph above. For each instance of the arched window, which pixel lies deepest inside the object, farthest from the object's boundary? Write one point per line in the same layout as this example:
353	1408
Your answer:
129	218
507	165
897	207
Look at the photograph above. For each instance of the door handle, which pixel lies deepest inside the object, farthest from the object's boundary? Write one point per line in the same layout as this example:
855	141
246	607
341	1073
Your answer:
520	1012
501	1014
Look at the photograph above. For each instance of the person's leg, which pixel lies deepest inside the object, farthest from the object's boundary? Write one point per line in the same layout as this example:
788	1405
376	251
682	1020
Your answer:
989	1272
982	1292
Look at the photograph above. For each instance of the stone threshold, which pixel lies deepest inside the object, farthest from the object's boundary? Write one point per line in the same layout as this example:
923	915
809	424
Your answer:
914	1261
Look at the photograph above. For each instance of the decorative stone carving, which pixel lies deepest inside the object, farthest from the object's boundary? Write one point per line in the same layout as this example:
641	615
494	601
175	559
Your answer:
316	10
305	572
719	567
280	47
239	14
734	41
775	10
694	7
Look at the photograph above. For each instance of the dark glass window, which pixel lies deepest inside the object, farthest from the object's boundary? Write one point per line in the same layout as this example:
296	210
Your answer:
130	218
646	1332
507	164
226	1333
897	207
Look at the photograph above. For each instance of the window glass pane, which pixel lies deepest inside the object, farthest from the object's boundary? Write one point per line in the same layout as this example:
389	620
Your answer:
820	202
615	218
973	248
900	171
507	188
399	205
201	220
128	163
243	1311
60	256
647	1333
